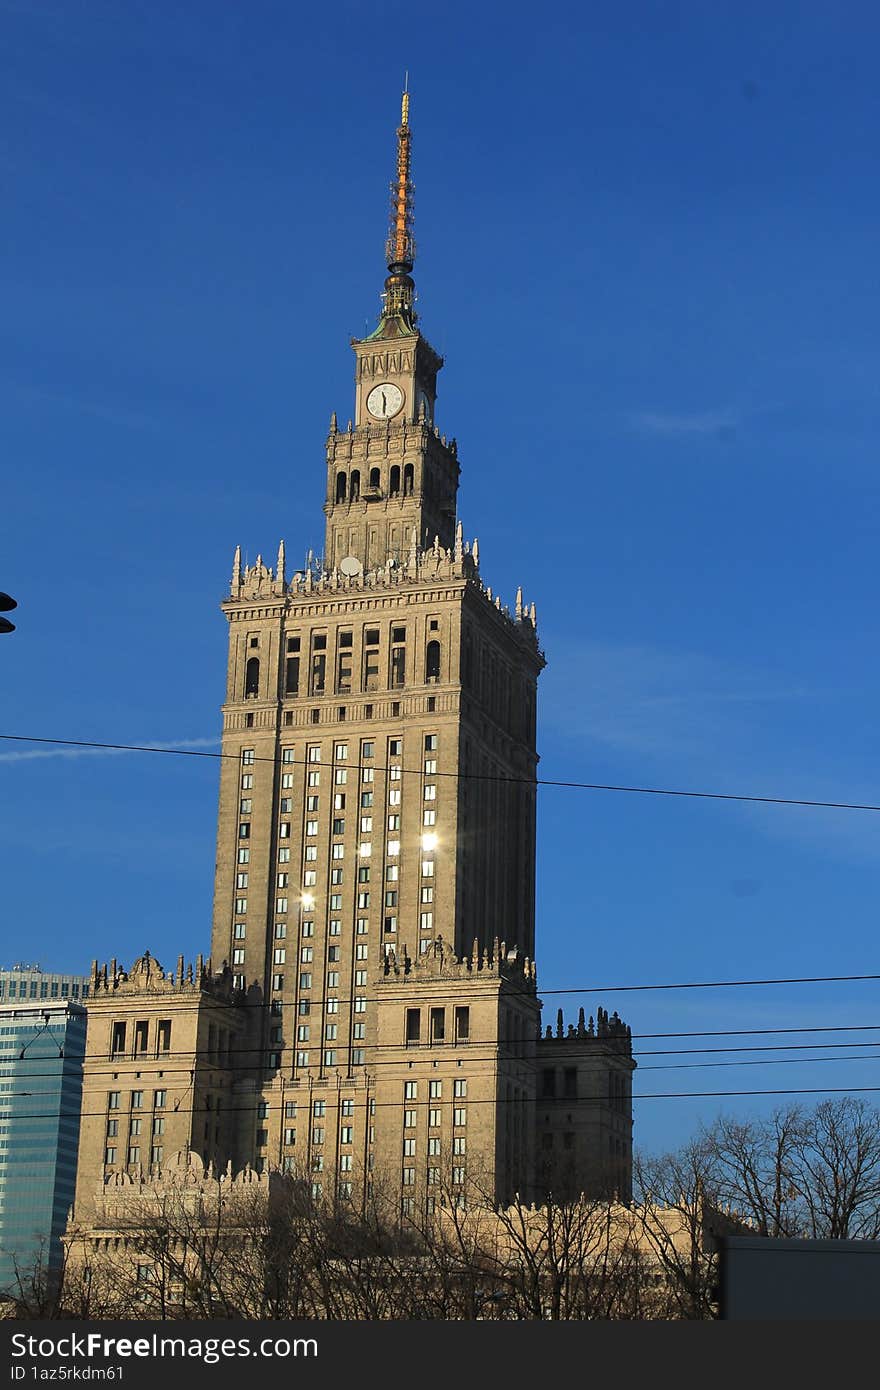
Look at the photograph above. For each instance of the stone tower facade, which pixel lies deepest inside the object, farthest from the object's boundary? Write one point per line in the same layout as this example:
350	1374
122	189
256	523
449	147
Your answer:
374	895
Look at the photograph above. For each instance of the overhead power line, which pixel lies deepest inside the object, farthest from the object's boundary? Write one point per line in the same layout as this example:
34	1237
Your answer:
471	776
513	1051
169	1111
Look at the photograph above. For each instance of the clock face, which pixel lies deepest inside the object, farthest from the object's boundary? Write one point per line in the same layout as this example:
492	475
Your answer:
384	400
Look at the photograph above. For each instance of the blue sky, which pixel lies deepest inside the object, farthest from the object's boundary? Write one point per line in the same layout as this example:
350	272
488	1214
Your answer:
647	249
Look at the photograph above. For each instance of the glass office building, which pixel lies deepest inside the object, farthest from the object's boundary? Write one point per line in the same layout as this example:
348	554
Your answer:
42	1045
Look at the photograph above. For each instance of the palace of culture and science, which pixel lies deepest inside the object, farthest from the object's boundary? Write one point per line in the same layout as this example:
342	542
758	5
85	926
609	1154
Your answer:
369	1006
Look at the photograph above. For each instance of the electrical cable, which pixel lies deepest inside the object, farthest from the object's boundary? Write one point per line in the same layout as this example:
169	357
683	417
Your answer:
473	776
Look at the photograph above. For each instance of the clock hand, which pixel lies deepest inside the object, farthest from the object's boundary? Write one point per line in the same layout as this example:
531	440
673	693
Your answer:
384	403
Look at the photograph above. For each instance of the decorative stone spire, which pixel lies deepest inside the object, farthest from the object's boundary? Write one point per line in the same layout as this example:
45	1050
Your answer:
279	574
400	248
236	568
519	603
459	542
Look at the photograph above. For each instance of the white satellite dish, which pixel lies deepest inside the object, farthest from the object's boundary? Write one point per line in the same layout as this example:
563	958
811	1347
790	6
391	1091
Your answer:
351	566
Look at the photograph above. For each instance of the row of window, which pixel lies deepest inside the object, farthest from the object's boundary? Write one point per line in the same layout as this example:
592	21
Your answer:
317	673
459	1145
134	1154
408	1177
436	1031
136	1100
42	989
140	1038
348	485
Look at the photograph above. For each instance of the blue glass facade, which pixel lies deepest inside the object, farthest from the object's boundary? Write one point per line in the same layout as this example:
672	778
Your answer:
41	1064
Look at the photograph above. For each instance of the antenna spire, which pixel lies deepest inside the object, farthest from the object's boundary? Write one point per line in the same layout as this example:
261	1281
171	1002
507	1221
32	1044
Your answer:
400	248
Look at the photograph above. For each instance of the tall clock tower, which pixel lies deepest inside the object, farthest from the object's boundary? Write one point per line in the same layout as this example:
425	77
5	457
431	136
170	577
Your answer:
391	478
370	1004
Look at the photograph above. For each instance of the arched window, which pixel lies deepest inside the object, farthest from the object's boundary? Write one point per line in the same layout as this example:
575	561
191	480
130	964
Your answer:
374	477
394	484
354	491
340	487
408	478
252	677
432	661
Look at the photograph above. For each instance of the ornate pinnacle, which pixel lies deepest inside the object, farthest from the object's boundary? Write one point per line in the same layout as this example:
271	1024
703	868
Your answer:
236	568
400	248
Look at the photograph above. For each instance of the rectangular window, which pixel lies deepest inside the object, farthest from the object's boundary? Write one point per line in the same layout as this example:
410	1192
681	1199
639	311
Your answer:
137	1100
244	855
435	1089
459	1117
459	1145
392	873
409	1148
346	1134
429	817
359	1031
360	1004
413	1025
241	880
287	780
430	791
311	804
409	1119
280	955
333	980
433	1119
117	1044
462	1024
371	659
438	1025
427	894
332	1006
426	921
367	774
361	950
430	742
238	955
434	1147
159	1099
110	1154
305	980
